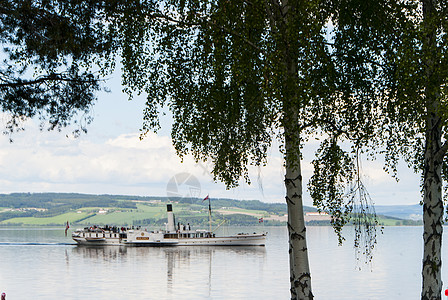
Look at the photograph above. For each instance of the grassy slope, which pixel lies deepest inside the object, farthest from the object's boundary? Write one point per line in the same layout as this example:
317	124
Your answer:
126	216
115	216
56	220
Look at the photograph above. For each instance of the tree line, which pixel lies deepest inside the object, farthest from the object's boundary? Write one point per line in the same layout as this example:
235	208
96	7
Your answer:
76	201
62	202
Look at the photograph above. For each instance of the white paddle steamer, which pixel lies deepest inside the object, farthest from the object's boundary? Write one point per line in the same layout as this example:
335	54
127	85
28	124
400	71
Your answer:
171	236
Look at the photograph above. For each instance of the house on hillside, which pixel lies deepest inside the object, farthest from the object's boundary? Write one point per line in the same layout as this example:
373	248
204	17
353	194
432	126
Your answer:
317	216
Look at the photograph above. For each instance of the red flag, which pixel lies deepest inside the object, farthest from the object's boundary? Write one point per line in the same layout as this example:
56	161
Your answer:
206	198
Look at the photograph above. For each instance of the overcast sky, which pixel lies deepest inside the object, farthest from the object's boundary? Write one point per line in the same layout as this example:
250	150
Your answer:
110	159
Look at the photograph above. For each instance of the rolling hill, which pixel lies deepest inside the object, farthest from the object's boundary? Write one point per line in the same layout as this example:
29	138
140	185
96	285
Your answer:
39	209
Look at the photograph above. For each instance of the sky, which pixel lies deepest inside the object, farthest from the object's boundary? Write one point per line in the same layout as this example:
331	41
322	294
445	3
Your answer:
111	159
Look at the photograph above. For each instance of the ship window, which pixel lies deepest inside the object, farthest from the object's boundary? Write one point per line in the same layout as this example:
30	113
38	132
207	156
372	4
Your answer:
172	235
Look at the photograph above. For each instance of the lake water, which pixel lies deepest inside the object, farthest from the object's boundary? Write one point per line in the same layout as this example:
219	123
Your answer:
43	264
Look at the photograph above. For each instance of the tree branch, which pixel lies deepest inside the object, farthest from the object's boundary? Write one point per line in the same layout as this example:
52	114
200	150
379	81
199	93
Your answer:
364	58
441	152
203	22
234	33
335	128
49	78
270	14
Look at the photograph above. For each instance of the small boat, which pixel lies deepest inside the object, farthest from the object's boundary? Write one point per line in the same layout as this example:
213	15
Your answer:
171	236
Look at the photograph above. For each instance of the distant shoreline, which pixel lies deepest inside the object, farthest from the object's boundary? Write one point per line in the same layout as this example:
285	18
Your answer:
55	209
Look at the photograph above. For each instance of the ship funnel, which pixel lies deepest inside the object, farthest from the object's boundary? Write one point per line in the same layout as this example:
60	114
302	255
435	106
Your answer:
170	225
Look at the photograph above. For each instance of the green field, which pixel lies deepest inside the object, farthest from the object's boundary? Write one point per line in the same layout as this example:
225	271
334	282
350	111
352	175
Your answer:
62	219
127	217
113	216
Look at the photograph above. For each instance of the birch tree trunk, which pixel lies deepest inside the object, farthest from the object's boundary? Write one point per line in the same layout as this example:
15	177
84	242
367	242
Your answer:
432	172
288	20
298	252
432	216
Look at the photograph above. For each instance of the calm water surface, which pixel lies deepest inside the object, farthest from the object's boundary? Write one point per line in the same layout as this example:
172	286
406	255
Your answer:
43	264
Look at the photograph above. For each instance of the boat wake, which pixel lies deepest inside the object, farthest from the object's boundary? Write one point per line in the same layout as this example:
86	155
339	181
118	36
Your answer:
35	244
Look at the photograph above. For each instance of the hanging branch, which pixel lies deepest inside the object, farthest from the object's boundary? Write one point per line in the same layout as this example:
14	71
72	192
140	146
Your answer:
334	170
363	216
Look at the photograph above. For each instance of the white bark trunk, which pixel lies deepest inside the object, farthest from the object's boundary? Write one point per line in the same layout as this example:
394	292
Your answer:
432	236
298	252
432	206
284	24
432	173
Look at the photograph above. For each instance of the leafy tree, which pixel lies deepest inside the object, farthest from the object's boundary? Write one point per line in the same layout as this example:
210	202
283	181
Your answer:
48	51
237	74
360	39
394	54
418	108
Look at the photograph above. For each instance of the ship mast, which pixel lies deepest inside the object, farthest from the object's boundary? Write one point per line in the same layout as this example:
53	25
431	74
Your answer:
209	213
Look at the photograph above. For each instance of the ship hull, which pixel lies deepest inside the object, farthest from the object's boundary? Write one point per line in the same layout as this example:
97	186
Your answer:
140	238
238	240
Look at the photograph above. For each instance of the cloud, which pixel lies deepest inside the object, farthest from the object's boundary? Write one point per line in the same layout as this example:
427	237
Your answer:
123	164
49	161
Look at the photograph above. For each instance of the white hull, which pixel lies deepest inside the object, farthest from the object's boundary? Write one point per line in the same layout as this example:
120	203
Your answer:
106	242
244	240
237	240
96	237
